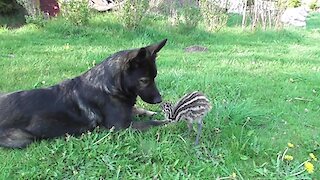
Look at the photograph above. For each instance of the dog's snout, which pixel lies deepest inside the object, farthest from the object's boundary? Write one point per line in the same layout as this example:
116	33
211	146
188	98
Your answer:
157	100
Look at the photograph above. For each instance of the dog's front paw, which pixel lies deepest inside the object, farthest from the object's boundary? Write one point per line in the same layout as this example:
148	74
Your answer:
150	113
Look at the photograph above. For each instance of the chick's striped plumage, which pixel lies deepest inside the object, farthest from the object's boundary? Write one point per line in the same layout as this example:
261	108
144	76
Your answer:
191	107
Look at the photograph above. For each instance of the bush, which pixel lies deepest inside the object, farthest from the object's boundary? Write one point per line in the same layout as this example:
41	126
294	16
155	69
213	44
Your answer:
75	11
132	12
190	15
36	19
294	3
313	5
185	14
8	6
34	14
214	16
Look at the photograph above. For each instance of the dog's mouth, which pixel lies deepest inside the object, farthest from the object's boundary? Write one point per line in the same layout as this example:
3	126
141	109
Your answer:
150	94
157	100
152	100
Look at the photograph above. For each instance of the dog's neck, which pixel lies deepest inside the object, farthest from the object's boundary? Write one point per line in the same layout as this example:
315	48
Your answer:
101	77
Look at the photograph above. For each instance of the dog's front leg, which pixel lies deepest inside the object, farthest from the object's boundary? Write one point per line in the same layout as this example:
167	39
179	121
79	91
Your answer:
119	116
141	111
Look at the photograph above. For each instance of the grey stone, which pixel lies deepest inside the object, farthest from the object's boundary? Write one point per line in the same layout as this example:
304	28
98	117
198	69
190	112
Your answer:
295	16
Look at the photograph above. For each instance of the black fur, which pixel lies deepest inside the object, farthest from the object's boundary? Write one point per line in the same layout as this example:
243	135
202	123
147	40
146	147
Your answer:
104	96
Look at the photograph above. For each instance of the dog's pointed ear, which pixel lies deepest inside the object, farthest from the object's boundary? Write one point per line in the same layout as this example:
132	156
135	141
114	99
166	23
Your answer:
137	55
155	48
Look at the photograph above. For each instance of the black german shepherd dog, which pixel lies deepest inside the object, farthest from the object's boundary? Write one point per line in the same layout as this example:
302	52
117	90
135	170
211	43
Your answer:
103	96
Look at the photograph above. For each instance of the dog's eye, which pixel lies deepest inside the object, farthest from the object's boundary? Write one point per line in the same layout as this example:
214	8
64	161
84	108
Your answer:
144	81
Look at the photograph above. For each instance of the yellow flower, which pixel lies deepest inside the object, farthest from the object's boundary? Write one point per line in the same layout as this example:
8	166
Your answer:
233	175
66	46
309	167
290	145
288	157
313	157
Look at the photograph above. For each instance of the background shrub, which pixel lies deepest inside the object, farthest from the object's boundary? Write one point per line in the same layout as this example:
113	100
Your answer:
8	6
294	3
33	13
214	16
190	15
132	12
75	11
313	5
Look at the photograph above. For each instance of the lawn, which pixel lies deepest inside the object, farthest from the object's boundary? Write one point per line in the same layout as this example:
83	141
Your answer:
264	87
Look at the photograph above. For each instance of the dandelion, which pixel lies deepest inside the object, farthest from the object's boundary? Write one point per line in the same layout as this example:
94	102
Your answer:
313	157
233	175
66	46
288	157
290	145
309	167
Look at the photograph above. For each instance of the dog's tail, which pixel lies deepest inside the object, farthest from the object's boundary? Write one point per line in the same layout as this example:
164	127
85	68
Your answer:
15	138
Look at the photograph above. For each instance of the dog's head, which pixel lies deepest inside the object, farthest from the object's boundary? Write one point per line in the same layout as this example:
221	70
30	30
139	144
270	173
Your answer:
140	72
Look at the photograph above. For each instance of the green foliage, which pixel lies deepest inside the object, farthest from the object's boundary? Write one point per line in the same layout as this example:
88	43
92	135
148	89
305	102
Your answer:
36	19
8	6
75	11
13	20
313	5
132	12
190	14
184	14
294	3
32	8
214	16
287	165
34	14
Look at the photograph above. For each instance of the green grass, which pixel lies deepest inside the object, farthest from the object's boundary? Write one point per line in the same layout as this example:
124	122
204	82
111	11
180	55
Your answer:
264	87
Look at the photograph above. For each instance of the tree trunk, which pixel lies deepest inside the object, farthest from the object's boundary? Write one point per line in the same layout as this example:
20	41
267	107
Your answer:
244	12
